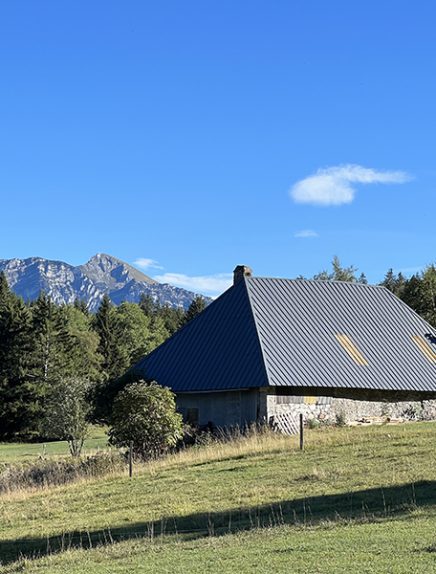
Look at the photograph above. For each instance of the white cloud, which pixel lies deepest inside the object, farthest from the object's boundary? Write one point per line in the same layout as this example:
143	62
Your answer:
306	233
210	285
333	185
145	263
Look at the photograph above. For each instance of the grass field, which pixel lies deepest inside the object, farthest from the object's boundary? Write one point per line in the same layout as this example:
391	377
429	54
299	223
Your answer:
24	452
357	500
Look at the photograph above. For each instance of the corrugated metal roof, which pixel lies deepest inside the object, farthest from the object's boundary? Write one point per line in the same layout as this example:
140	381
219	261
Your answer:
298	323
287	333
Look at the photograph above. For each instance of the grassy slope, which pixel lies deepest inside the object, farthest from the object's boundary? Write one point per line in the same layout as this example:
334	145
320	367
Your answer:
255	506
24	452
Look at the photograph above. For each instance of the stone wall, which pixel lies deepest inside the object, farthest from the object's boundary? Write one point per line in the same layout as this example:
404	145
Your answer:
355	410
327	409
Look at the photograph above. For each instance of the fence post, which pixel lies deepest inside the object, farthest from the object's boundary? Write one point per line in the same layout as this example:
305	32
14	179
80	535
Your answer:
131	459
301	432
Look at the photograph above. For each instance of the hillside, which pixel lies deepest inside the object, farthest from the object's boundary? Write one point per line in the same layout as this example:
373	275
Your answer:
357	500
102	274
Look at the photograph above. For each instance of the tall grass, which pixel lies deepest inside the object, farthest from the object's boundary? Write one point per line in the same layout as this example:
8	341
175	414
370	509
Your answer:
60	471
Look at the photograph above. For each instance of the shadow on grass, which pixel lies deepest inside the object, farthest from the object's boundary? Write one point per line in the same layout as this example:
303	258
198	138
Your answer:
376	504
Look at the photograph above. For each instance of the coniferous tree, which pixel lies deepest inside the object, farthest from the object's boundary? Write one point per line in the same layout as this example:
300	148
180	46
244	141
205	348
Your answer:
343	273
19	393
172	318
5	292
107	327
389	280
82	306
395	283
428	294
197	305
148	305
412	294
339	273
53	342
164	320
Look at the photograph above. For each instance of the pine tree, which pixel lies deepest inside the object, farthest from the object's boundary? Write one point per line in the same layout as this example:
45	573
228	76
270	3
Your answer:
19	393
53	342
171	317
389	280
412	294
339	273
395	283
343	273
82	306
428	294
108	328
148	305
197	305
5	292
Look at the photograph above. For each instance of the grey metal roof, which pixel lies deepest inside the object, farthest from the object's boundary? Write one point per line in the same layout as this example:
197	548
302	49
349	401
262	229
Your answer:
283	333
297	322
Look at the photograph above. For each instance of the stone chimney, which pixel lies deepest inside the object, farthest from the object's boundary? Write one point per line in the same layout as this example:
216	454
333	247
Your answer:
240	272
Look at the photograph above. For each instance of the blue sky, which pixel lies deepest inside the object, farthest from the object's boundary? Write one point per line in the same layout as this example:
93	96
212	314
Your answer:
201	135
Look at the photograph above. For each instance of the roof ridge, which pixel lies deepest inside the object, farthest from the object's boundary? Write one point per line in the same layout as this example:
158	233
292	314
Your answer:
316	281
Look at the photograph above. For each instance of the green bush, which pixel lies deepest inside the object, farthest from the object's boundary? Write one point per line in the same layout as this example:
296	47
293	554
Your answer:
341	419
313	423
145	414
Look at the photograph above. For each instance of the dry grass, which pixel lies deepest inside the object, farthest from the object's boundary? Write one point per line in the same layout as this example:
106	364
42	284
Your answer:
347	487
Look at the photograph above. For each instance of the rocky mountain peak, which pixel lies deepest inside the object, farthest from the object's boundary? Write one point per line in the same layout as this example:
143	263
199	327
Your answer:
113	272
102	274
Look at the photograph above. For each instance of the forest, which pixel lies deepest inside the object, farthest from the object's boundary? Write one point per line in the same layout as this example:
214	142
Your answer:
50	352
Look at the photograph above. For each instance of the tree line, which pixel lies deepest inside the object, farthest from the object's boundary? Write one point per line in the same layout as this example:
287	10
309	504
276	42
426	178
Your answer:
51	355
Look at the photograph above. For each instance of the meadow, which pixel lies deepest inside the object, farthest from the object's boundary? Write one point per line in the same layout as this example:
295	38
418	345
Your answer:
357	499
27	452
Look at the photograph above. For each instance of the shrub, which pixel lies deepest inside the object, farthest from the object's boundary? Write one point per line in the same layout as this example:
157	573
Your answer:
313	423
341	419
145	414
412	412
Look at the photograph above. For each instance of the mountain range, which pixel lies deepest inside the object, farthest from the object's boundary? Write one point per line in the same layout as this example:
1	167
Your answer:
102	274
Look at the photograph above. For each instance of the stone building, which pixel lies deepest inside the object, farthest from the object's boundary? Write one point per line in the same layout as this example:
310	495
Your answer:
270	348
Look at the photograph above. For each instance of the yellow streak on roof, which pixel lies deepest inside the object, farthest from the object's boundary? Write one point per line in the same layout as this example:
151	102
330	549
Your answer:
425	348
352	350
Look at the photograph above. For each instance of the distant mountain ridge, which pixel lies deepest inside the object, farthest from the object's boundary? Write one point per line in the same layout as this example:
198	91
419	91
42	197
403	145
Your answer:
102	274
